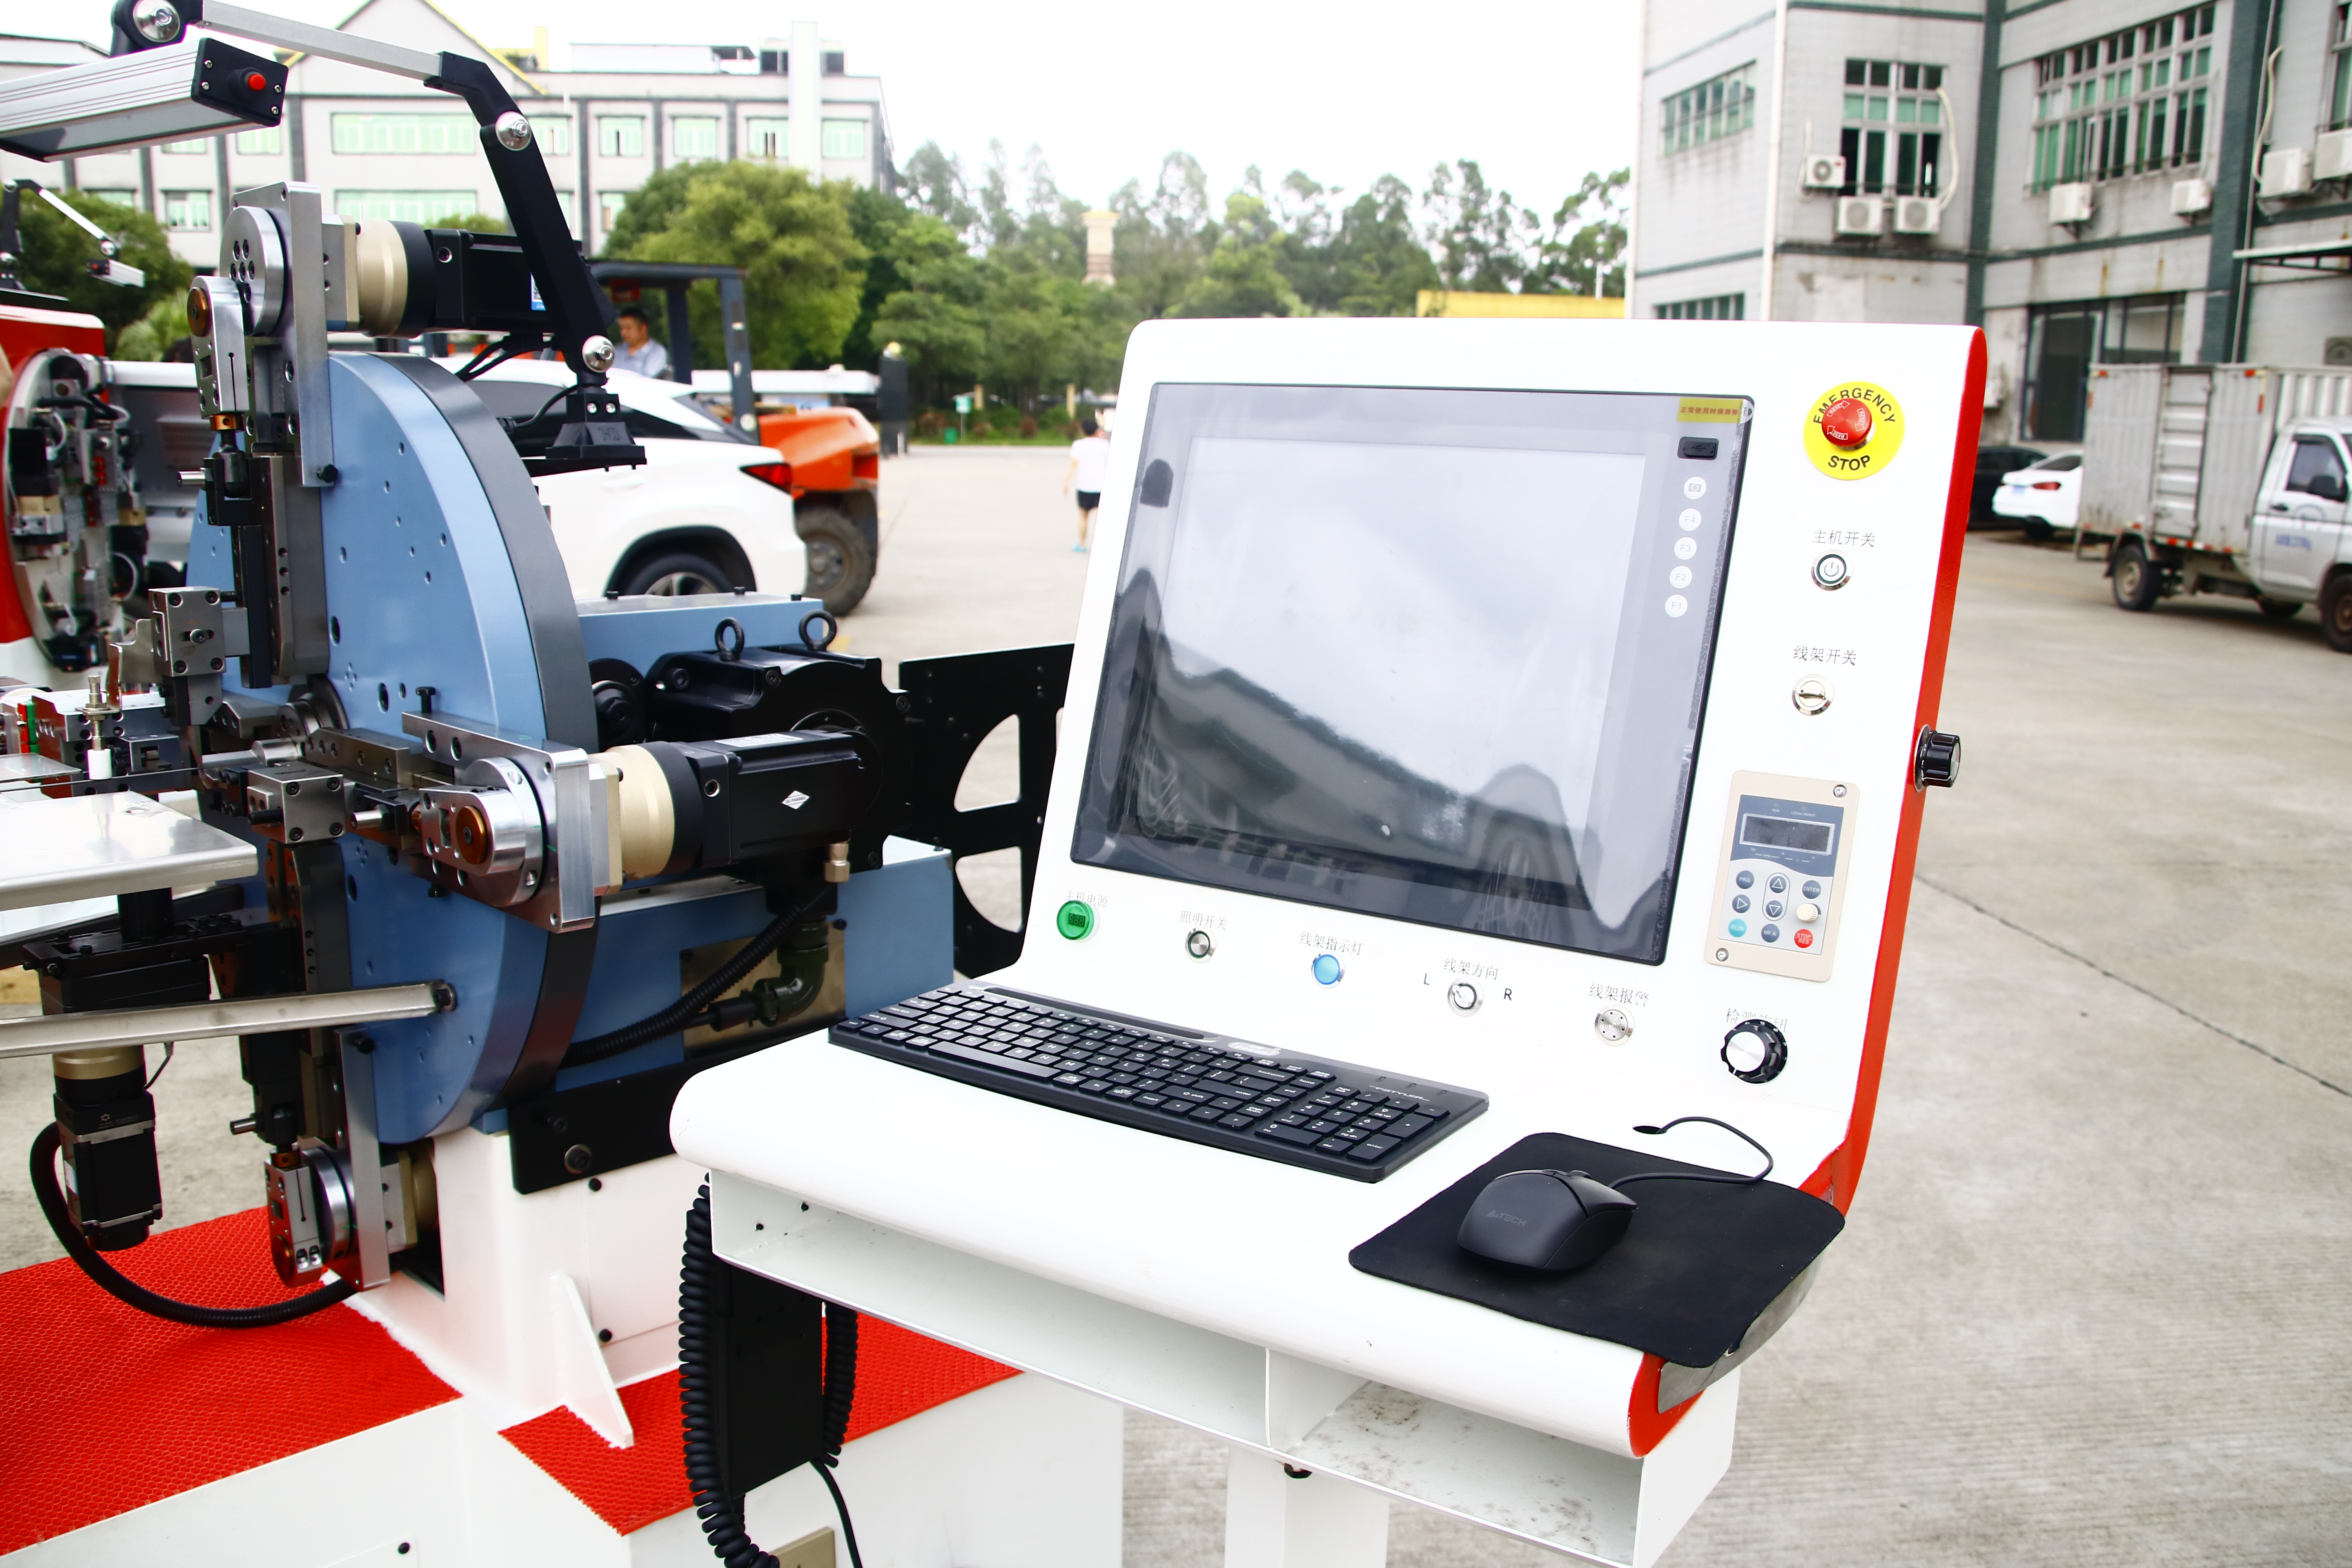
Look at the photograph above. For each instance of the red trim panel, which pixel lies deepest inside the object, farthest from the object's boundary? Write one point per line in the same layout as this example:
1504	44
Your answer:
1646	1425
899	1373
1843	1169
107	1409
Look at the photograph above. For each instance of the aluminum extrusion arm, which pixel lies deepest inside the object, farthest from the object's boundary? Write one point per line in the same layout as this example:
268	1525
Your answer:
107	268
56	1032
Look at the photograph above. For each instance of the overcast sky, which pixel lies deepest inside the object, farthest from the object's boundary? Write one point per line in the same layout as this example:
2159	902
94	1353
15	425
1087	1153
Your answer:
1347	93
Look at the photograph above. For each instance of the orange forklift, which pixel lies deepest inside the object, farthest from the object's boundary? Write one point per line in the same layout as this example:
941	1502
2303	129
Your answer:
834	454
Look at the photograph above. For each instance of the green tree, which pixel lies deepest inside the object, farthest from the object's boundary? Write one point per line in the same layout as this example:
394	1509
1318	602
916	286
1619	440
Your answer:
1243	275
934	183
57	254
1585	246
1482	234
1379	264
937	315
650	208
803	267
1162	240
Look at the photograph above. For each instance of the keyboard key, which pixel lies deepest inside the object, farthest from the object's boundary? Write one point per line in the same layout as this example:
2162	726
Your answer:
1406	1126
1225	1102
1118	1094
1149	1101
1206	1113
965	1053
1093	1086
1236	1120
1371	1149
1191	1096
1292	1136
1069	1077
1333	1146
1255	1085
1320	1128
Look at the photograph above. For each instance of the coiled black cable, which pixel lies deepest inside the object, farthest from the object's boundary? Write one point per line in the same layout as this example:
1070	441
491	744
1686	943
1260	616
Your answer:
721	1515
597	1048
131	1293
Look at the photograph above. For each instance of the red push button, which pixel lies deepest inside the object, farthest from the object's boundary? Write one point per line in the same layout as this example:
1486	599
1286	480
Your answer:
1846	422
1805	939
255	82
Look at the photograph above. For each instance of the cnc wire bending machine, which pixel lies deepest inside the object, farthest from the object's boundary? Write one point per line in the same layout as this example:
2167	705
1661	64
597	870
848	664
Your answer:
1494	756
476	877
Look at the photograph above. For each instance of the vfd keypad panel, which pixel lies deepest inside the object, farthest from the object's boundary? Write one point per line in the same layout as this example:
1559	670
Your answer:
1777	888
1781	870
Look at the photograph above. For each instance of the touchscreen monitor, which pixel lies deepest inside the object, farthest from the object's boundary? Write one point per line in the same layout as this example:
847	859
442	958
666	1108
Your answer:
1434	655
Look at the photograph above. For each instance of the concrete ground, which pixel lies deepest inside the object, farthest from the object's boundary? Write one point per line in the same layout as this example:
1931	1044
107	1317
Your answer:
2085	1310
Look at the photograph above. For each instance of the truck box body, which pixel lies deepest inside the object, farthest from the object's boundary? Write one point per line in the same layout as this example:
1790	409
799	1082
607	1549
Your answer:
2174	453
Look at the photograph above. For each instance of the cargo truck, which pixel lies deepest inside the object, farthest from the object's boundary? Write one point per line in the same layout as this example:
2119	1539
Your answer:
2229	479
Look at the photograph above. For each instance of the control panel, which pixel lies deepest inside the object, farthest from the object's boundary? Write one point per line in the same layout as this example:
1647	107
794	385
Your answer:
1781	875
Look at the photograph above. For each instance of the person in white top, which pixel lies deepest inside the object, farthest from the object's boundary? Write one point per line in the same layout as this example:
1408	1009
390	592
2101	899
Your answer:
639	353
1089	460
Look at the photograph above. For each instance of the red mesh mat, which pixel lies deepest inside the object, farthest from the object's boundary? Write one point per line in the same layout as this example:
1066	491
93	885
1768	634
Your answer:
899	1373
171	1407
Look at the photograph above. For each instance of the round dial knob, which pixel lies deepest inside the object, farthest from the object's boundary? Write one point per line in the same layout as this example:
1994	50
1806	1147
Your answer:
1462	995
1809	912
1755	1051
1936	760
1846	422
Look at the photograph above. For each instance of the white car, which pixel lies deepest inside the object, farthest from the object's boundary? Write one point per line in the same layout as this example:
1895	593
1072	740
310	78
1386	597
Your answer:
708	511
2043	496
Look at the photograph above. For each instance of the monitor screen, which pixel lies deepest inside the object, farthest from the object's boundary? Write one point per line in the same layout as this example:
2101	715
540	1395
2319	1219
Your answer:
1438	656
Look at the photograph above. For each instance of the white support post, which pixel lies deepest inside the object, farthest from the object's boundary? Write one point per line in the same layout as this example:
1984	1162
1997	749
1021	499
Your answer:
1277	1520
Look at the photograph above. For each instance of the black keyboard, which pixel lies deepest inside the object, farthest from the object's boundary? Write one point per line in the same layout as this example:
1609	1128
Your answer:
1329	1116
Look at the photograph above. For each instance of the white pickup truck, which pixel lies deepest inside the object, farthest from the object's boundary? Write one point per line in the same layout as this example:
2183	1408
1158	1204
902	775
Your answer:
2229	479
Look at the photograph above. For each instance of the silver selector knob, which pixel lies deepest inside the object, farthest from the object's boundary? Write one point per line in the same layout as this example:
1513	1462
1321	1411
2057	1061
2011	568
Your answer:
1755	1051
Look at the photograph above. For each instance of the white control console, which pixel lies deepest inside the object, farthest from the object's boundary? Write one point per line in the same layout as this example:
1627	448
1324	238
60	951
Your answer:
1533	707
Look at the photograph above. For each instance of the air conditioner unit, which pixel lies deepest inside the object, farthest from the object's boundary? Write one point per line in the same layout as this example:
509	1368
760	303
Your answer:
1861	215
2286	172
2191	198
1824	172
2069	203
1918	214
2332	159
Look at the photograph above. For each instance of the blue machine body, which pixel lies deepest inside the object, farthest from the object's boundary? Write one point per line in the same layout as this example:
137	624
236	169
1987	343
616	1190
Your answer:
441	573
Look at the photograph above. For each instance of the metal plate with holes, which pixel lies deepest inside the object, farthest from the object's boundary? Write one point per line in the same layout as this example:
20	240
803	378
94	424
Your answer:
96	846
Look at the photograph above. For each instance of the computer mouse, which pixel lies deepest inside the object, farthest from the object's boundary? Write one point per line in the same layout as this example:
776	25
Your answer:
1549	1221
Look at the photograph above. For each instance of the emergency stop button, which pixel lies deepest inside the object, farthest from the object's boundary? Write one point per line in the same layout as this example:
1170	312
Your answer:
1846	422
1854	430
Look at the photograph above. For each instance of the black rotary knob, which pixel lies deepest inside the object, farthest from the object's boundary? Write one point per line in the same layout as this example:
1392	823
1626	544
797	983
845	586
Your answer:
1936	760
1755	1051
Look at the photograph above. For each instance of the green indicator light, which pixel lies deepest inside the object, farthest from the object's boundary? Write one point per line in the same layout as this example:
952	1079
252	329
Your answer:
1075	920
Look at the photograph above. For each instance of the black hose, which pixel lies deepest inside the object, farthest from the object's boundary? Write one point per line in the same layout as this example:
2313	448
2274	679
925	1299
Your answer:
597	1048
108	1279
721	1515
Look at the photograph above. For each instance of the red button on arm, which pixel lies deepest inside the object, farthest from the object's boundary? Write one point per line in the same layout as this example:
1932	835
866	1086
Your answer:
1846	422
255	82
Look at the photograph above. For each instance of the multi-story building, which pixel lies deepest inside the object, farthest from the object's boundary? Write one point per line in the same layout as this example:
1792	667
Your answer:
2091	181
607	116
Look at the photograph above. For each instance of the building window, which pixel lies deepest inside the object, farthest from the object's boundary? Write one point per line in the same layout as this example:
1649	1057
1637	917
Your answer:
2132	102
693	138
188	211
845	138
119	198
1719	106
563	199
196	144
1714	307
609	206
261	140
1890	148
553	135
767	139
426	208
2063	342
407	135
835	64
620	136
2339	97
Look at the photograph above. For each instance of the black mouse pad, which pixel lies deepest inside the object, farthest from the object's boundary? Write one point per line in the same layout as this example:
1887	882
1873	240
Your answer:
1700	1262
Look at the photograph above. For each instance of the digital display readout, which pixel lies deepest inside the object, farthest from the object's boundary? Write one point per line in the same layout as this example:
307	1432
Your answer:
1779	833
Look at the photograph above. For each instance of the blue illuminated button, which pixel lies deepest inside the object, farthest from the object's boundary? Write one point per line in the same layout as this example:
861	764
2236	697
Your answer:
1326	970
1737	927
1746	878
1770	933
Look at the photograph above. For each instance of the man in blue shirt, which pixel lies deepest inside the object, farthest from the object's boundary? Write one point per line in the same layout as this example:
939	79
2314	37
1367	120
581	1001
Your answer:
639	353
